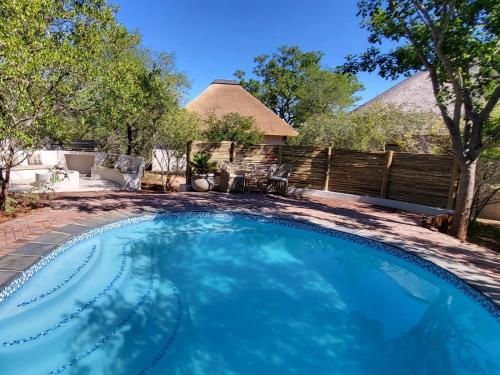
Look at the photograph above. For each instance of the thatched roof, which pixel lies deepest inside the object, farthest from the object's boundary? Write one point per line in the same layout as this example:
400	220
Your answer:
412	94
224	96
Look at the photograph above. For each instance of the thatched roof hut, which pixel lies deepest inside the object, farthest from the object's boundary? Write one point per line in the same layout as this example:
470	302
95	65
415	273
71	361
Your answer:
411	94
225	96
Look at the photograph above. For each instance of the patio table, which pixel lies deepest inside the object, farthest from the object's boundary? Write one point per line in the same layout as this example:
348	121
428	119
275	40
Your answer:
256	179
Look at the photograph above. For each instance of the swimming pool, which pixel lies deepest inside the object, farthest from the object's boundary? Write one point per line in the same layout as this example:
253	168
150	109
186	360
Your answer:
217	293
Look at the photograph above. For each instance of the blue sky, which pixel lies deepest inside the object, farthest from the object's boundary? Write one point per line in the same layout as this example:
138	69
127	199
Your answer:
213	38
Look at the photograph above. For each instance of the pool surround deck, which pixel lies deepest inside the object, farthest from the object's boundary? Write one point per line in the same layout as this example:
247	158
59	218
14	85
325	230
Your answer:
25	240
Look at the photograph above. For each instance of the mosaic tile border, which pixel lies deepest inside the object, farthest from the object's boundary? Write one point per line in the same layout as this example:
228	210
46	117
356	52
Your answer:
427	265
62	283
73	315
117	328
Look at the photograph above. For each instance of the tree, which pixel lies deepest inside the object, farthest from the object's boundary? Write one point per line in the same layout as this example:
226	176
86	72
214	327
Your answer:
372	128
134	98
456	42
293	85
163	87
232	127
170	136
487	186
51	53
414	131
326	130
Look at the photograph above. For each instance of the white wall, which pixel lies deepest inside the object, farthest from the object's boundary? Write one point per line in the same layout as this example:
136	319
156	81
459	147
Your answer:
82	163
46	157
163	158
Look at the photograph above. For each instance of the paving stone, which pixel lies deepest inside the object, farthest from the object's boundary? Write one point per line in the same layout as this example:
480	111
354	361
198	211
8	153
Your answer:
7	276
73	229
53	237
93	221
13	262
34	248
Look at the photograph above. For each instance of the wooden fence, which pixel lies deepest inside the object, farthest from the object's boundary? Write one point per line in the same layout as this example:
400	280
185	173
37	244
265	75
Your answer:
417	178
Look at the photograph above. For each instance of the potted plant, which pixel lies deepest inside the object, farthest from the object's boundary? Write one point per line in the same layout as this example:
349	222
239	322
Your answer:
203	169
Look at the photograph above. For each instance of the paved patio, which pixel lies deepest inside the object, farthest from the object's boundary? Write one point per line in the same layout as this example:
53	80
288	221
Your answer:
24	240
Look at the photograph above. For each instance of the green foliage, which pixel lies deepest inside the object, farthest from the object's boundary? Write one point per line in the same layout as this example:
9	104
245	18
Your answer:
142	91
69	71
10	206
201	163
52	59
295	86
457	43
373	127
327	129
170	137
487	187
232	127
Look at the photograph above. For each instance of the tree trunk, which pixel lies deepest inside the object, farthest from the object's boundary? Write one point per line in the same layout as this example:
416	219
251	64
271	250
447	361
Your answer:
4	195
4	188
129	140
465	197
5	179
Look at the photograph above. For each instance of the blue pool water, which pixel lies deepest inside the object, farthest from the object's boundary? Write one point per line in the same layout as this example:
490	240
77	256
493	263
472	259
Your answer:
224	294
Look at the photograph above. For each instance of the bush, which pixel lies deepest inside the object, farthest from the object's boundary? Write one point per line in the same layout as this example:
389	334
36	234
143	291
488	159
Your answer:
232	127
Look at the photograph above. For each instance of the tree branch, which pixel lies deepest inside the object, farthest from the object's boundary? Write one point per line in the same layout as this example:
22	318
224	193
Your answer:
490	105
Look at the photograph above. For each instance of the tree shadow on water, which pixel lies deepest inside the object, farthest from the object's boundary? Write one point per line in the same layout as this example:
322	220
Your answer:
226	302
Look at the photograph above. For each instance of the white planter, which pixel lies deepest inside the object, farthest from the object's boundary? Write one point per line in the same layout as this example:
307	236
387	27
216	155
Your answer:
202	182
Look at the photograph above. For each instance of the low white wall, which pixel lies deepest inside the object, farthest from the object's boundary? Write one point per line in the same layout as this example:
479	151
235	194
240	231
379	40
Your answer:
81	162
38	157
164	160
45	157
26	176
127	169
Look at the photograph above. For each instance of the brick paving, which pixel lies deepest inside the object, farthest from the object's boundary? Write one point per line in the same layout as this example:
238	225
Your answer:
24	240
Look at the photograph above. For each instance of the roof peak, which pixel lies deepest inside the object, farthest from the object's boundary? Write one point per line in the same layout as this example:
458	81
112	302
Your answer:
224	82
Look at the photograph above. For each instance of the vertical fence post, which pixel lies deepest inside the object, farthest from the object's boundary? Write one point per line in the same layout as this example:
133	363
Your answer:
189	149
387	172
280	154
327	168
452	191
232	152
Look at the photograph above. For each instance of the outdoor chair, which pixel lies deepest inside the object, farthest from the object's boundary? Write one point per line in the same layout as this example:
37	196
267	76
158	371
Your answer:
277	178
232	178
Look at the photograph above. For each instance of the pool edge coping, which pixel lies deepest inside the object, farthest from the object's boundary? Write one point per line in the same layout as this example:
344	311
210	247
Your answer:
123	218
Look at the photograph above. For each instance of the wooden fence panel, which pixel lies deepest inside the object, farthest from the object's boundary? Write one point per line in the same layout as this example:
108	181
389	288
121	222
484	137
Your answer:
256	156
308	165
355	172
417	178
219	151
420	178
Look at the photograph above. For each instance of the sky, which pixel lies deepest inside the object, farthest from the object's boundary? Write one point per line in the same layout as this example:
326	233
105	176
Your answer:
213	38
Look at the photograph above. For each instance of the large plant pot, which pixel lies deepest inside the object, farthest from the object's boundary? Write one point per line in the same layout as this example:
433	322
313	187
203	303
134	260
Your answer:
202	182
